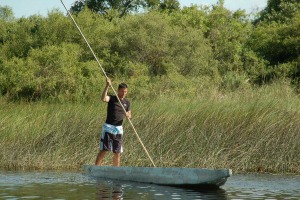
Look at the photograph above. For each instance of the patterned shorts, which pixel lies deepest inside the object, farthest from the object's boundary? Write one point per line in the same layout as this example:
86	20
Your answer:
111	141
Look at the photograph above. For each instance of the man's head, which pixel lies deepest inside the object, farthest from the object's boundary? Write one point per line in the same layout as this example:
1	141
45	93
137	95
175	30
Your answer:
122	90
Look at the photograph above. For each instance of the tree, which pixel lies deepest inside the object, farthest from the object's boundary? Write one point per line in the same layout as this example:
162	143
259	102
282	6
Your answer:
6	13
103	6
278	31
124	7
276	38
166	5
153	40
228	32
279	11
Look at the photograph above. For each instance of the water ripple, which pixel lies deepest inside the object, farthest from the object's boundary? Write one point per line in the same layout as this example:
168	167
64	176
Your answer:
74	185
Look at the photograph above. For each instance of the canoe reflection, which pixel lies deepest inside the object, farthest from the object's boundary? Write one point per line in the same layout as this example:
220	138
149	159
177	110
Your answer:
119	190
109	190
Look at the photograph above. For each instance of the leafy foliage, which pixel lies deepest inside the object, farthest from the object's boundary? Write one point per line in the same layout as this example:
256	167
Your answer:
120	8
104	7
279	11
6	13
165	49
276	38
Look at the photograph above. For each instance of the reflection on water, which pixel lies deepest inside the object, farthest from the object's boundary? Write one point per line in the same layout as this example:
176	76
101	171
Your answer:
46	185
265	186
116	190
74	185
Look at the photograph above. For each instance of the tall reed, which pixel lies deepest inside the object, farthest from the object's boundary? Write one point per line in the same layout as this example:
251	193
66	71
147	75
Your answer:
254	130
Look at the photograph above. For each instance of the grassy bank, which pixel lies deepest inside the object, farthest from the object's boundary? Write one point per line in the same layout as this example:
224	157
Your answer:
254	130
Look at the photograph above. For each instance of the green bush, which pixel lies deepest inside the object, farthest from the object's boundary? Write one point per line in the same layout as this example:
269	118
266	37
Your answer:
155	51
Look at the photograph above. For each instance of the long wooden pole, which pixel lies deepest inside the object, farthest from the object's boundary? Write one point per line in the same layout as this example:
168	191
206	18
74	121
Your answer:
107	78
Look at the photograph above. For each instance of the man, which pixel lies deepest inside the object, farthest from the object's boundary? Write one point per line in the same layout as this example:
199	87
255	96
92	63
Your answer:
112	130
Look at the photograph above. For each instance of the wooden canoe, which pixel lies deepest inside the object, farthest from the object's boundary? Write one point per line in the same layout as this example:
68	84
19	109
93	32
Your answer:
182	177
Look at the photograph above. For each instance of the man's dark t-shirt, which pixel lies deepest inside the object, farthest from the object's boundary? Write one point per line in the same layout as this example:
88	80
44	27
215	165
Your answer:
115	112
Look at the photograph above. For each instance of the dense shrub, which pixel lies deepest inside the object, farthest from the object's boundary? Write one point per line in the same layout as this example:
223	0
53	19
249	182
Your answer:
155	50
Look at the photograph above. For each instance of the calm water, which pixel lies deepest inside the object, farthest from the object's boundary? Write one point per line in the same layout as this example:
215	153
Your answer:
74	185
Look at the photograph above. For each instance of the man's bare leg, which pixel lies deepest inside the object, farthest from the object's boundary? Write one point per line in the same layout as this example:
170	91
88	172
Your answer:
116	159
100	157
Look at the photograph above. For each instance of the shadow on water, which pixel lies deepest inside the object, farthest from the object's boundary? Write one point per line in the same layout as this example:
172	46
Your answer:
118	190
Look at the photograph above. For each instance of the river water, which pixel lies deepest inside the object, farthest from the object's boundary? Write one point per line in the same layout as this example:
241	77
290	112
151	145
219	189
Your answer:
77	185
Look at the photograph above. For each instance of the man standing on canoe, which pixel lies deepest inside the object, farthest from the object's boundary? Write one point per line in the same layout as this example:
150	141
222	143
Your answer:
112	130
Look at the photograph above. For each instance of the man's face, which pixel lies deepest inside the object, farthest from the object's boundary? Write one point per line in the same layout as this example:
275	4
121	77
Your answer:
122	93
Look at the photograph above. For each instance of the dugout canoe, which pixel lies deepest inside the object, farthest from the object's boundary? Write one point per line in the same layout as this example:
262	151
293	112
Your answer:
181	177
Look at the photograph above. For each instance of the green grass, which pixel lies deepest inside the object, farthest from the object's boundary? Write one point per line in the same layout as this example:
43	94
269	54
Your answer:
248	131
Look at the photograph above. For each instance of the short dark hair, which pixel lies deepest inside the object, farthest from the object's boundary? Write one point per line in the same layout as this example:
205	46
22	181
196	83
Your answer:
122	85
